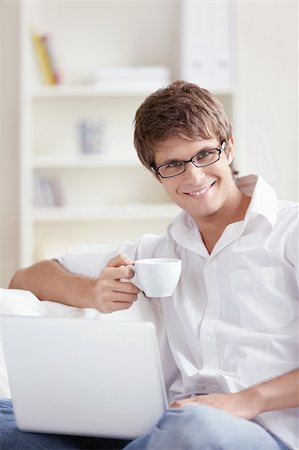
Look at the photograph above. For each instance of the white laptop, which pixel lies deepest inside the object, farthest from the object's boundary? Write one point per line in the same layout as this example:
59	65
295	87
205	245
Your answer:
83	377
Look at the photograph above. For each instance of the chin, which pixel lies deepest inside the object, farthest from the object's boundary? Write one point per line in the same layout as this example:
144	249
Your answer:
203	212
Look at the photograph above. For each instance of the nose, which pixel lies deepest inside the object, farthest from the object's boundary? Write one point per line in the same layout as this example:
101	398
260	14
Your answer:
193	172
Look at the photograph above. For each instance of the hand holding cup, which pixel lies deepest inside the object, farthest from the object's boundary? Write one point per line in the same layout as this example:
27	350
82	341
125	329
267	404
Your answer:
157	277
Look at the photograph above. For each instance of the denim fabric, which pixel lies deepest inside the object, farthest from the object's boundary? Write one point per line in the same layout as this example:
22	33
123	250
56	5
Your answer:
202	427
13	439
191	428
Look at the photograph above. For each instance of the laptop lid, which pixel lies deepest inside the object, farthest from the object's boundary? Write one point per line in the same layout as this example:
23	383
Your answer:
83	377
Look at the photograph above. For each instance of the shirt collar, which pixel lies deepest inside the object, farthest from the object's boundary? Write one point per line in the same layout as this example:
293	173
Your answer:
263	197
185	232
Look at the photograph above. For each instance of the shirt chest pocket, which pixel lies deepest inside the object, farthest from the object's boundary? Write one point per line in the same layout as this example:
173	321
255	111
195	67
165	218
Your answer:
262	298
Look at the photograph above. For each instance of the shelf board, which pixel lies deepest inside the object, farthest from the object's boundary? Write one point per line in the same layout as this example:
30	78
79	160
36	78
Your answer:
136	211
83	161
69	91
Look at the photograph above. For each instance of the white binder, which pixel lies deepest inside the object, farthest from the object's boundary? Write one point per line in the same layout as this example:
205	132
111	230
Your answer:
207	41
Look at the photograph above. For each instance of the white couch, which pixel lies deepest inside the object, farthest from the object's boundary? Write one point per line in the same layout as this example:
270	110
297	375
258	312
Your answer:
18	302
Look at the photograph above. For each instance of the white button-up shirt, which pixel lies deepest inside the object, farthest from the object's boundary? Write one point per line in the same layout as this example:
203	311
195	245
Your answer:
233	319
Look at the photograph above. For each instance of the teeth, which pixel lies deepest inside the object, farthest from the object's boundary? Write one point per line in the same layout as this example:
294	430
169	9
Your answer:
200	192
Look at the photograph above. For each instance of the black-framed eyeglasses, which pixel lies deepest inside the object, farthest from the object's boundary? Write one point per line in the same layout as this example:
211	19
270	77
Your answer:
203	158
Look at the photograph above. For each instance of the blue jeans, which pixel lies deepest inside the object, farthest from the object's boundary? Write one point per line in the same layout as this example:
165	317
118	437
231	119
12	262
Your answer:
13	439
192	428
201	427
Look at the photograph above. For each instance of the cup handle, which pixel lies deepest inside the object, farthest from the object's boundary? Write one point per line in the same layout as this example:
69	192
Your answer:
133	280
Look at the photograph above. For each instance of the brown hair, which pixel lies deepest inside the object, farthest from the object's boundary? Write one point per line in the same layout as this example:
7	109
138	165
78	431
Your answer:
183	110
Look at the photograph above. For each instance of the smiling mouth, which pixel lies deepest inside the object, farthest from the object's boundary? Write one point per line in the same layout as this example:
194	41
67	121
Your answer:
200	192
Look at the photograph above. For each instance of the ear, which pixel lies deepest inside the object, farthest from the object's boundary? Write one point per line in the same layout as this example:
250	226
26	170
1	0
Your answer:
230	149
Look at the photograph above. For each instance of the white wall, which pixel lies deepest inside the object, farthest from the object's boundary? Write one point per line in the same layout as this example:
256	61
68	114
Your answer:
267	99
266	119
9	138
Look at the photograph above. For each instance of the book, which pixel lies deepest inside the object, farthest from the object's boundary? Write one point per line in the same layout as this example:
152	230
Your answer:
47	41
207	58
90	136
47	192
45	59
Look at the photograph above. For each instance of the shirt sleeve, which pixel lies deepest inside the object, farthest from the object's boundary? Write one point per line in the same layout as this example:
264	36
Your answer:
89	260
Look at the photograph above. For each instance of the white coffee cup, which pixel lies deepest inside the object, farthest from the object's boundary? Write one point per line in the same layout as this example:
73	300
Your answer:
157	277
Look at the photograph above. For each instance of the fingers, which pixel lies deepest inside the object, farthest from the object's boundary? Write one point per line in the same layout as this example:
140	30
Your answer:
114	301
111	278
118	268
120	260
109	300
185	402
112	293
118	273
113	306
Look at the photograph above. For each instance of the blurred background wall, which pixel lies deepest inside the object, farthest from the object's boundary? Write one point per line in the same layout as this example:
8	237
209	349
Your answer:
267	99
265	110
9	138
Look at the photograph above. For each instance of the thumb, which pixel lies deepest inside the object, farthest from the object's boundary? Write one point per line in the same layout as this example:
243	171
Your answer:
120	260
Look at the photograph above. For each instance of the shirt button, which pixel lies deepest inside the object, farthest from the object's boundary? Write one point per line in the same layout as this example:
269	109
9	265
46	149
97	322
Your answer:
206	339
210	267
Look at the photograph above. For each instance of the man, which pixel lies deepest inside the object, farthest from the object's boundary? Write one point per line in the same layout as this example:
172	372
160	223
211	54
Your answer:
231	325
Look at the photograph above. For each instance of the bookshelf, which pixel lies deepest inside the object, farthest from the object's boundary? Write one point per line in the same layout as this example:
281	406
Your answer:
105	197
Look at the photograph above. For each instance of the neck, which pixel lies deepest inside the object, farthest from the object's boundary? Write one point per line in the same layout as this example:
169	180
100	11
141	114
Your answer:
212	227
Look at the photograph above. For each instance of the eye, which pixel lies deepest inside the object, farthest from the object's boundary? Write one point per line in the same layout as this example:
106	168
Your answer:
174	164
204	154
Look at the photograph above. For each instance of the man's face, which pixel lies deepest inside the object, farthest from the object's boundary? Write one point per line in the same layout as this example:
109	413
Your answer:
204	192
